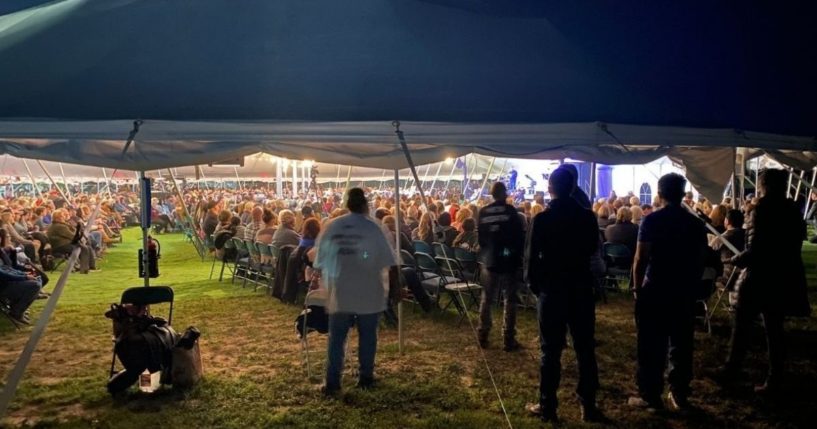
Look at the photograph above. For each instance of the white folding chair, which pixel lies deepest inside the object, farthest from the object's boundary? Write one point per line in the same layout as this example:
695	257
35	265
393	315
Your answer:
316	297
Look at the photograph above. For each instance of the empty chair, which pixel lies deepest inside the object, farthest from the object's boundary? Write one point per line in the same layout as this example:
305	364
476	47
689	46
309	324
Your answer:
619	261
422	247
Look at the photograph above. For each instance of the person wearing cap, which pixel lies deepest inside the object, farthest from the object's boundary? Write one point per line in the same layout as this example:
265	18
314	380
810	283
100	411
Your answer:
354	257
501	240
561	242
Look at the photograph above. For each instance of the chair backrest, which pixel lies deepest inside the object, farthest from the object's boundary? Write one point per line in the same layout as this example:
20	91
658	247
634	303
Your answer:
142	295
274	251
449	267
422	247
239	243
464	256
263	248
618	254
229	244
426	263
316	297
443	251
407	258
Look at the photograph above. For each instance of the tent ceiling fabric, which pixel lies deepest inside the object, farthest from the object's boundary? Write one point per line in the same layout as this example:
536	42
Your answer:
322	80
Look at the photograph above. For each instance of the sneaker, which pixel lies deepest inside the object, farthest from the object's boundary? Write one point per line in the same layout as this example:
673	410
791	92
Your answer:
678	403
42	295
651	406
544	414
21	319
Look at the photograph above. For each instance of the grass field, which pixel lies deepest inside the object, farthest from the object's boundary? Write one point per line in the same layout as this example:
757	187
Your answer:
254	376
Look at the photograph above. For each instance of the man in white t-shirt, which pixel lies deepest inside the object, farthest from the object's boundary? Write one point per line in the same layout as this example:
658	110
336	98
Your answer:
354	257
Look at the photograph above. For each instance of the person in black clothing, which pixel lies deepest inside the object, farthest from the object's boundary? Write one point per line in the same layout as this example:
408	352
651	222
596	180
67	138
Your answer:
501	245
669	261
562	241
773	282
577	193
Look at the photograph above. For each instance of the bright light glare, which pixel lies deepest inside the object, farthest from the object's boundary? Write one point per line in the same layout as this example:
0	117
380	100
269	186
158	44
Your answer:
449	160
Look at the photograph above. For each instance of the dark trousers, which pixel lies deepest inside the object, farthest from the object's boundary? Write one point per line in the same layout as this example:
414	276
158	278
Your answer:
745	316
558	311
665	327
492	284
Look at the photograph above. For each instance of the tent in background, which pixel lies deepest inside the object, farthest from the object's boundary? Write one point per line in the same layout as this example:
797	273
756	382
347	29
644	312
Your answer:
322	80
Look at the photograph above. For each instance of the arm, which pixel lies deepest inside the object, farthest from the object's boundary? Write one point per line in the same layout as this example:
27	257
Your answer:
642	256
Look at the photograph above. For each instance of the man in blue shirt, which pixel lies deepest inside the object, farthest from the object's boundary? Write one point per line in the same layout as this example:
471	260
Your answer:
667	269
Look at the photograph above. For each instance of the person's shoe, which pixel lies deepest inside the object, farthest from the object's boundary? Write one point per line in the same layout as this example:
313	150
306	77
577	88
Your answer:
21	319
592	414
537	410
329	391
678	403
42	295
652	406
95	270
512	346
365	383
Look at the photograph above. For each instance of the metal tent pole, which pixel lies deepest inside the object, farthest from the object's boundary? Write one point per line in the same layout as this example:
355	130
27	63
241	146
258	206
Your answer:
402	139
144	183
64	181
437	174
485	180
397	218
47	174
799	182
450	175
33	181
808	199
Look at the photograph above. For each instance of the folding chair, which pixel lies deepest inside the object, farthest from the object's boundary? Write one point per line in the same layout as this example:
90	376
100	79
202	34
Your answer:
707	287
228	245
619	262
5	309
242	269
317	297
455	284
145	296
256	270
422	247
442	251
266	263
429	274
468	261
407	259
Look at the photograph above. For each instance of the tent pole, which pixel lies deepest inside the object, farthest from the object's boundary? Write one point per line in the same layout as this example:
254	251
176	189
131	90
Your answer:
145	223
450	175
279	178
593	182
803	181
64	181
52	181
799	182
788	188
107	182
485	180
402	139
294	179
470	175
437	174
33	182
382	180
808	199
238	179
425	176
397	230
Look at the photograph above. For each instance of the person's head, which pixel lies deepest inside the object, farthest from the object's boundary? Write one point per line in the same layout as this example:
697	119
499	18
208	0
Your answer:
637	214
718	215
444	219
235	221
257	214
425	223
390	223
356	201
646	209
380	213
773	182
224	217
269	218
574	172
635	201
59	215
311	228
287	218
560	184
671	188
734	219
469	225
306	211
499	191
624	215
603	212
462	214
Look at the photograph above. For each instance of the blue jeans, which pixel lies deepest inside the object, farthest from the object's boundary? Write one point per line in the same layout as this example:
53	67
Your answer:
339	325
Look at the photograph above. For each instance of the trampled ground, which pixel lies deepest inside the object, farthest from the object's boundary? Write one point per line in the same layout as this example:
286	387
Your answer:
255	376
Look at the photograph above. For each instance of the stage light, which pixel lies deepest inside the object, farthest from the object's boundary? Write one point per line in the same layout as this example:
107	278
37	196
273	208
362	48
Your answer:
449	160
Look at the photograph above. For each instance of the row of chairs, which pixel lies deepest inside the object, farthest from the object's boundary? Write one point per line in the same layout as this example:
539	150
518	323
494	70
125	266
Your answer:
254	262
446	271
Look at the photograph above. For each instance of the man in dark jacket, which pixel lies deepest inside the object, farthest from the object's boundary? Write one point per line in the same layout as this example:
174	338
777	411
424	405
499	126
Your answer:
773	283
501	244
669	261
562	240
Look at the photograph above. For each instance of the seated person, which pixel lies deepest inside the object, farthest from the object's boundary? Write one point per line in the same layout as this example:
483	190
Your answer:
443	232
285	235
18	289
265	234
624	231
64	238
468	238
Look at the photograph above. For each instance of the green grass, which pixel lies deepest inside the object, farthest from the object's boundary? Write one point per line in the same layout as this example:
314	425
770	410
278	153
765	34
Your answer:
254	375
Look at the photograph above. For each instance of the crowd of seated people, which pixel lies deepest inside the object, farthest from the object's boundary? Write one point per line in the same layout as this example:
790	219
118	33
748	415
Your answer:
38	232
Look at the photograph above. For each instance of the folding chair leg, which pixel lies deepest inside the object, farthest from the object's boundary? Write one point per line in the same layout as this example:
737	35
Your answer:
212	267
